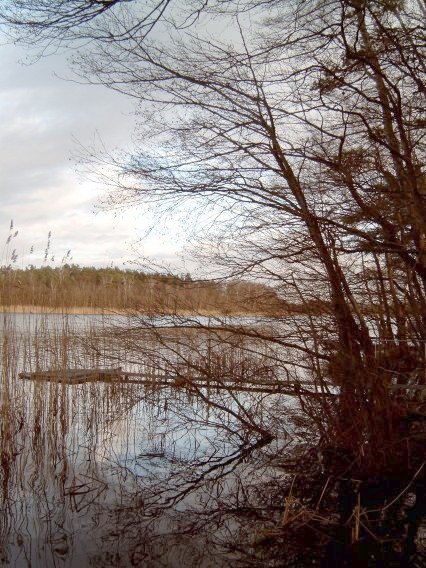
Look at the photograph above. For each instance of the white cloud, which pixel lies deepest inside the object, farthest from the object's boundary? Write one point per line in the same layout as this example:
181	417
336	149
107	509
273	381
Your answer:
41	117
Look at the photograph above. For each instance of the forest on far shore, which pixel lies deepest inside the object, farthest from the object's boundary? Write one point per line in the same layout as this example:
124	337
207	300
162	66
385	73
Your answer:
72	286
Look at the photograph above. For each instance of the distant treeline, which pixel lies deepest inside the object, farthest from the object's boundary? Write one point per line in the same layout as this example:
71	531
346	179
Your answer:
111	288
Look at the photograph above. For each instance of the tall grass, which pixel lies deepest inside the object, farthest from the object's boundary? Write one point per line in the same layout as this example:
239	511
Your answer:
120	462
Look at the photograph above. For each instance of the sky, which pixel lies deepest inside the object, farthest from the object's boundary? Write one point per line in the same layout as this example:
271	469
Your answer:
44	120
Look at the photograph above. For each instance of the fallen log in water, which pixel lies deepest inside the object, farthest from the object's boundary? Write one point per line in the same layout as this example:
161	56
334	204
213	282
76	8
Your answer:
72	376
78	376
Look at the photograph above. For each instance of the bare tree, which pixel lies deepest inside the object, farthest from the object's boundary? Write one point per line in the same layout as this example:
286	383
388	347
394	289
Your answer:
303	129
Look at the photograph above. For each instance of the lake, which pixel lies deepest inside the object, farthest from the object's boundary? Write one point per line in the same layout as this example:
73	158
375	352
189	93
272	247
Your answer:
99	474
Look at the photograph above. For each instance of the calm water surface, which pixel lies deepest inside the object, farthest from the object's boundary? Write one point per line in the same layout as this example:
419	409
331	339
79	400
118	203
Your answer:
116	474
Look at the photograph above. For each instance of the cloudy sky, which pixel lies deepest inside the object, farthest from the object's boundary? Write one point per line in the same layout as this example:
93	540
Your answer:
43	118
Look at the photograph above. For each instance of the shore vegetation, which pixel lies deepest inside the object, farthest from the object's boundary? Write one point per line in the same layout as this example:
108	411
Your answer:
299	128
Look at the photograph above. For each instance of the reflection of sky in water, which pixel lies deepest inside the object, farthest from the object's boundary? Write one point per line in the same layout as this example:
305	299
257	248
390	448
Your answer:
87	458
148	441
53	321
29	321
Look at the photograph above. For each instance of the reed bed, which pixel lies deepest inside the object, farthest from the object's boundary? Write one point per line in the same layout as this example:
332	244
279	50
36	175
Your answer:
118	474
122	474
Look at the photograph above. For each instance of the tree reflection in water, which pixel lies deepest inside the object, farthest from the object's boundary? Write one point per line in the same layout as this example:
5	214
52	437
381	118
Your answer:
125	474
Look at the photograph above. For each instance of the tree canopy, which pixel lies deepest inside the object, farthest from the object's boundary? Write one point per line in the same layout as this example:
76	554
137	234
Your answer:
302	126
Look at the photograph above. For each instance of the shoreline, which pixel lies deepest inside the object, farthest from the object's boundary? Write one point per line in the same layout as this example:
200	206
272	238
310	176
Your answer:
92	311
74	310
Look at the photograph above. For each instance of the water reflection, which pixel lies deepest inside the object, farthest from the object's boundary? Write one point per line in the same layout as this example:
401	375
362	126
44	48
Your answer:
123	474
